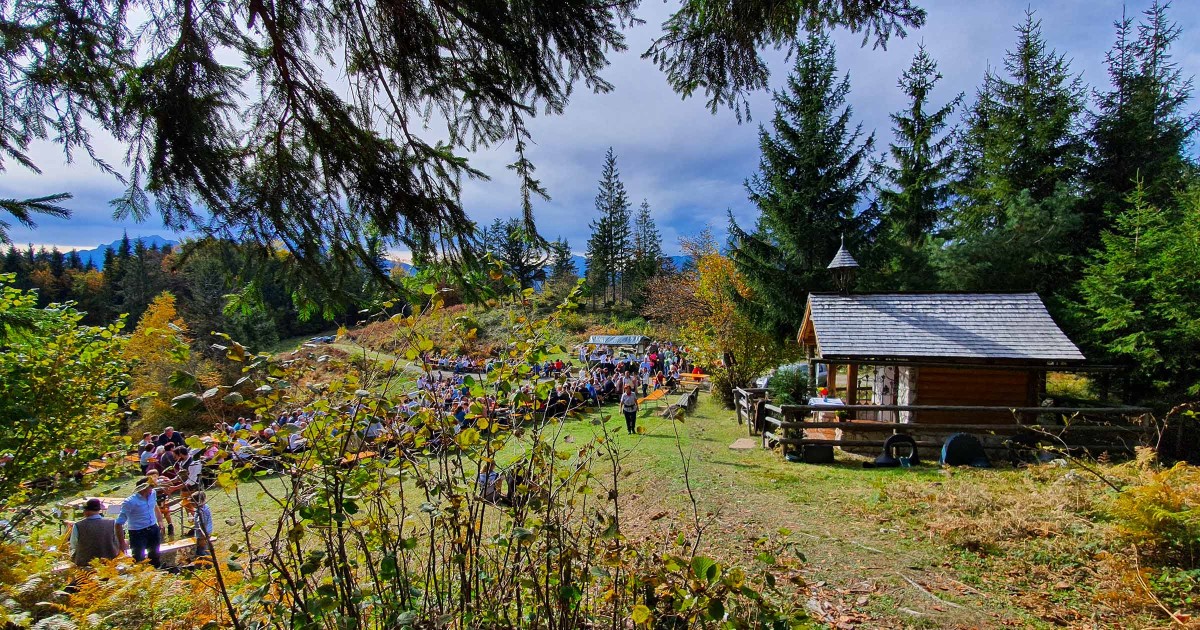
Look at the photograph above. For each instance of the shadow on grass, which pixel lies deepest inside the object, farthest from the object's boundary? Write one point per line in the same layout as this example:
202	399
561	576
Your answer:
738	465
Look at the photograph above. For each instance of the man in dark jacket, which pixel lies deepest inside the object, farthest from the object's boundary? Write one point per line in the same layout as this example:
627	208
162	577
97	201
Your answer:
94	536
170	438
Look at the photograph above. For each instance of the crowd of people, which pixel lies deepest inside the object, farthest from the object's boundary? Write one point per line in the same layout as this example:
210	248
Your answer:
170	467
600	376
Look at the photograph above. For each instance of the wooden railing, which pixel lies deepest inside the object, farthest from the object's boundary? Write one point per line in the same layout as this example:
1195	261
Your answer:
747	403
785	424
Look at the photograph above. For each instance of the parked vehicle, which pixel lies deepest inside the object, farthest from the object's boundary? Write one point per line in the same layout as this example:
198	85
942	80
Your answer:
764	381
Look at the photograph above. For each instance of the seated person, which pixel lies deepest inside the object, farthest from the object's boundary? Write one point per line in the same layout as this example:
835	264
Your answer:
167	459
489	483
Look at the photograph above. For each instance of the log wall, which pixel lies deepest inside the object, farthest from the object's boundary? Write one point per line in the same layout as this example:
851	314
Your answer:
972	387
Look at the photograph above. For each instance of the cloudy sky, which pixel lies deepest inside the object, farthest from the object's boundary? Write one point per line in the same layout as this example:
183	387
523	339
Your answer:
688	163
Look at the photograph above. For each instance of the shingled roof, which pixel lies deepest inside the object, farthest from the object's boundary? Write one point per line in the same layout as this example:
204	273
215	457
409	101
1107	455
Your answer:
952	326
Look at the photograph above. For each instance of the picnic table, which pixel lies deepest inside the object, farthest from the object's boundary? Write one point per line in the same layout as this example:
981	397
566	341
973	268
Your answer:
695	380
354	458
97	465
112	505
653	396
112	508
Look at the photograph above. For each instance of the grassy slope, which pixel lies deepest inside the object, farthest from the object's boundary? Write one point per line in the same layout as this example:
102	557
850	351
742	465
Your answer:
873	555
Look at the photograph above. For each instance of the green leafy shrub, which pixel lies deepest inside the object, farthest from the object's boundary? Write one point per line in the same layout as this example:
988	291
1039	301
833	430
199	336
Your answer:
1179	589
573	323
789	385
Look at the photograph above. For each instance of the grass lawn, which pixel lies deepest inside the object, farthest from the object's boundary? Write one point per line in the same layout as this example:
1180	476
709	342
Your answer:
872	554
875	541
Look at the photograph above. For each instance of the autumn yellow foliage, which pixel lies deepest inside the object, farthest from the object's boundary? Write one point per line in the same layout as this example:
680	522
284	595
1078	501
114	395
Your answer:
157	348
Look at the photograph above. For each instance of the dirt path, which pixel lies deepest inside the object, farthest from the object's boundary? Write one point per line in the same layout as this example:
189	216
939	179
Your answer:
864	570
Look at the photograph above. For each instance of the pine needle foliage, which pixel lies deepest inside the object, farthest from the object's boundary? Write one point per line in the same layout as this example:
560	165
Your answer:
236	125
916	186
1022	153
713	47
1142	128
813	173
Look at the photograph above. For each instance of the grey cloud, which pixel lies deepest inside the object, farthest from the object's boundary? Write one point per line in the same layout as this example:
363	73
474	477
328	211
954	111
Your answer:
688	163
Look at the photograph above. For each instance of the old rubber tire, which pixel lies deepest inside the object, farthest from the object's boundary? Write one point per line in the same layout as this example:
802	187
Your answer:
900	441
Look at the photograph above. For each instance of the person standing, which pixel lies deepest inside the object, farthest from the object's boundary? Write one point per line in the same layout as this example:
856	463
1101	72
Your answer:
94	536
629	407
143	519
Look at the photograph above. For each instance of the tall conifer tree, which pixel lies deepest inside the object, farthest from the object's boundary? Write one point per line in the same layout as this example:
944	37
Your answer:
647	257
1139	296
609	246
1141	130
1022	154
917	182
562	266
511	244
811	177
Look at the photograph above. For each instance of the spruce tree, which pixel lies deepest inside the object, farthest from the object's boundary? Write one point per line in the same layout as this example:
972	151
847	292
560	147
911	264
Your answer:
914	199
595	258
1139	296
647	259
58	262
811	177
1141	129
1016	214
135	287
609	246
512	245
562	265
12	260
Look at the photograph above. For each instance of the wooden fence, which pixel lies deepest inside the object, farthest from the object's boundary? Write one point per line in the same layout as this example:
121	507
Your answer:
1071	427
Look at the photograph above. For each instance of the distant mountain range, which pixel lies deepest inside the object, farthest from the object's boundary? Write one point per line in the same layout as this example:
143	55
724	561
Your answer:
96	256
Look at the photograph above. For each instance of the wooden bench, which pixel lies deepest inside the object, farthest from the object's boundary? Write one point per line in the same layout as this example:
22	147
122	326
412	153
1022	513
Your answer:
695	380
178	552
686	402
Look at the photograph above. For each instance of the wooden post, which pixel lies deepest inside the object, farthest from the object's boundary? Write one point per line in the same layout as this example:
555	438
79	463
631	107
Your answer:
831	379
852	384
812	372
1032	393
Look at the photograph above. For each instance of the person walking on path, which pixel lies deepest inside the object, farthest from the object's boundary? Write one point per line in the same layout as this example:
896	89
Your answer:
629	407
94	536
142	517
